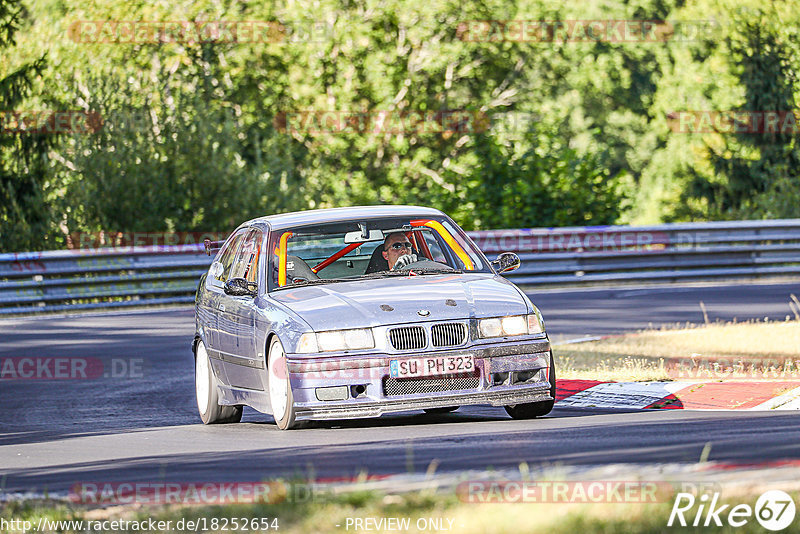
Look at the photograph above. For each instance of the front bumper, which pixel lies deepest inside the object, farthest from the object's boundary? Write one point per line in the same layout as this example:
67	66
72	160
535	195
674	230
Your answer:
494	360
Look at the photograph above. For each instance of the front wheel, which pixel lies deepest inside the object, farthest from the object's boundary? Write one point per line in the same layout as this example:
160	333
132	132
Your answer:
280	390
205	387
536	409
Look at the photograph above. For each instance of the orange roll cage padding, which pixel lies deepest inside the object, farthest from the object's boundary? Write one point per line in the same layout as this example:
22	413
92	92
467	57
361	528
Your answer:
324	263
282	257
420	244
449	239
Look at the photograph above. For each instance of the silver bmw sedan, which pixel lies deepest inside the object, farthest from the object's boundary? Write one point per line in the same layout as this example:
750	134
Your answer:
357	312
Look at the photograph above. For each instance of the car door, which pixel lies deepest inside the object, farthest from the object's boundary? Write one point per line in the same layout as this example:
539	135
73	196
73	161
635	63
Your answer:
242	363
218	343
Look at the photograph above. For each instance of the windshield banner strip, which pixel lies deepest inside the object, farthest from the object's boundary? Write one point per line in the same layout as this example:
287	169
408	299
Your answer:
282	258
437	226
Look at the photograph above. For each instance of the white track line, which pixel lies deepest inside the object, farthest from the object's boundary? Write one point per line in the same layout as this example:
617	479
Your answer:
788	401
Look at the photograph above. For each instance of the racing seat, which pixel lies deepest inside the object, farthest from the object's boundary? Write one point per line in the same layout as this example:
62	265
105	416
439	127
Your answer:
377	262
297	268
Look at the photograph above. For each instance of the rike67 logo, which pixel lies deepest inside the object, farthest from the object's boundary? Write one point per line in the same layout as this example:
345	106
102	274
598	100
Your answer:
774	510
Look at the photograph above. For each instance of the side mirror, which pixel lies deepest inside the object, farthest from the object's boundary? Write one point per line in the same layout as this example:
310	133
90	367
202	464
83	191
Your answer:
239	287
505	262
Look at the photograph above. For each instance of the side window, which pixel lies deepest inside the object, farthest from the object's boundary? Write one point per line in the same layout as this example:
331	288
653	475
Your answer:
246	263
228	254
251	274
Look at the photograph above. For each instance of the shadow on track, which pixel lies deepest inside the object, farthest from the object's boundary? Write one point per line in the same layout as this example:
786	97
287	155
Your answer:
588	439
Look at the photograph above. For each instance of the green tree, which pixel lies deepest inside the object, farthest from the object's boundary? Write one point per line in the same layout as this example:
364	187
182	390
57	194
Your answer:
534	183
181	158
25	216
757	174
194	141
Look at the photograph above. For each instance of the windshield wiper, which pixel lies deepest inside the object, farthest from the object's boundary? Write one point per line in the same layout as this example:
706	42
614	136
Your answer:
407	272
381	274
371	276
315	282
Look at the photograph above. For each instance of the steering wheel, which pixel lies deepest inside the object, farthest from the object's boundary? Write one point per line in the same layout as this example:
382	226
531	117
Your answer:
424	264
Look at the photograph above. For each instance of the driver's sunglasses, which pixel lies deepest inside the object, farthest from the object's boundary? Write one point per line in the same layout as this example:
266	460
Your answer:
398	246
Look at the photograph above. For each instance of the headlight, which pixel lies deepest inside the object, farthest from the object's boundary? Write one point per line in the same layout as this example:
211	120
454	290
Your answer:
357	338
307	343
490	327
514	325
333	340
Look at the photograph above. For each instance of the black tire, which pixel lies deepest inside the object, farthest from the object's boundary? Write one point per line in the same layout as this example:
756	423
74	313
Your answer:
447	409
278	370
536	409
211	413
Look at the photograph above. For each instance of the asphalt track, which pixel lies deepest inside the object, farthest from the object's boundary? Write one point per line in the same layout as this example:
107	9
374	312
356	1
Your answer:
55	433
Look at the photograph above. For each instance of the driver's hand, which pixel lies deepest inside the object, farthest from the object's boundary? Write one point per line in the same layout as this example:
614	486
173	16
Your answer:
402	261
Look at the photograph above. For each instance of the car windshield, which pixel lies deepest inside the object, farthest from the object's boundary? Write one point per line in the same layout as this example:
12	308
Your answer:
353	250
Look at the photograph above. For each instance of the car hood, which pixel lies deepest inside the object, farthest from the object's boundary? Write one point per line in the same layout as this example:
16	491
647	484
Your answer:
396	300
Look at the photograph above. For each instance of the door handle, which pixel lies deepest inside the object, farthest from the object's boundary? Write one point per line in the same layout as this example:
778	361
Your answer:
221	307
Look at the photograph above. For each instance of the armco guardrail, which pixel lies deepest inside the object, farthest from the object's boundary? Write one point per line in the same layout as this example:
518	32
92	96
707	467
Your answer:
80	279
32	282
663	253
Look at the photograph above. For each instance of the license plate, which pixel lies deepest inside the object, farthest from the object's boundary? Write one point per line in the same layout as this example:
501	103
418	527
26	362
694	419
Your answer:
431	366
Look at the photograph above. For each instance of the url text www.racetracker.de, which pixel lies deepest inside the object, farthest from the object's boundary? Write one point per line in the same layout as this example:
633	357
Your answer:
201	524
221	524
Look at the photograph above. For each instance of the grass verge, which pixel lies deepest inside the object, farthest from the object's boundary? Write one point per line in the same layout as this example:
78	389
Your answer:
752	350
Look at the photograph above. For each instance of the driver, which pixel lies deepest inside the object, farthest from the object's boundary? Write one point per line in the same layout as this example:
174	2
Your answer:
397	251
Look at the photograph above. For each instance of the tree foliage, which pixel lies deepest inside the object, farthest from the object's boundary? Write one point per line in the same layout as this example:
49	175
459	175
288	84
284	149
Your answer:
757	170
25	217
194	134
